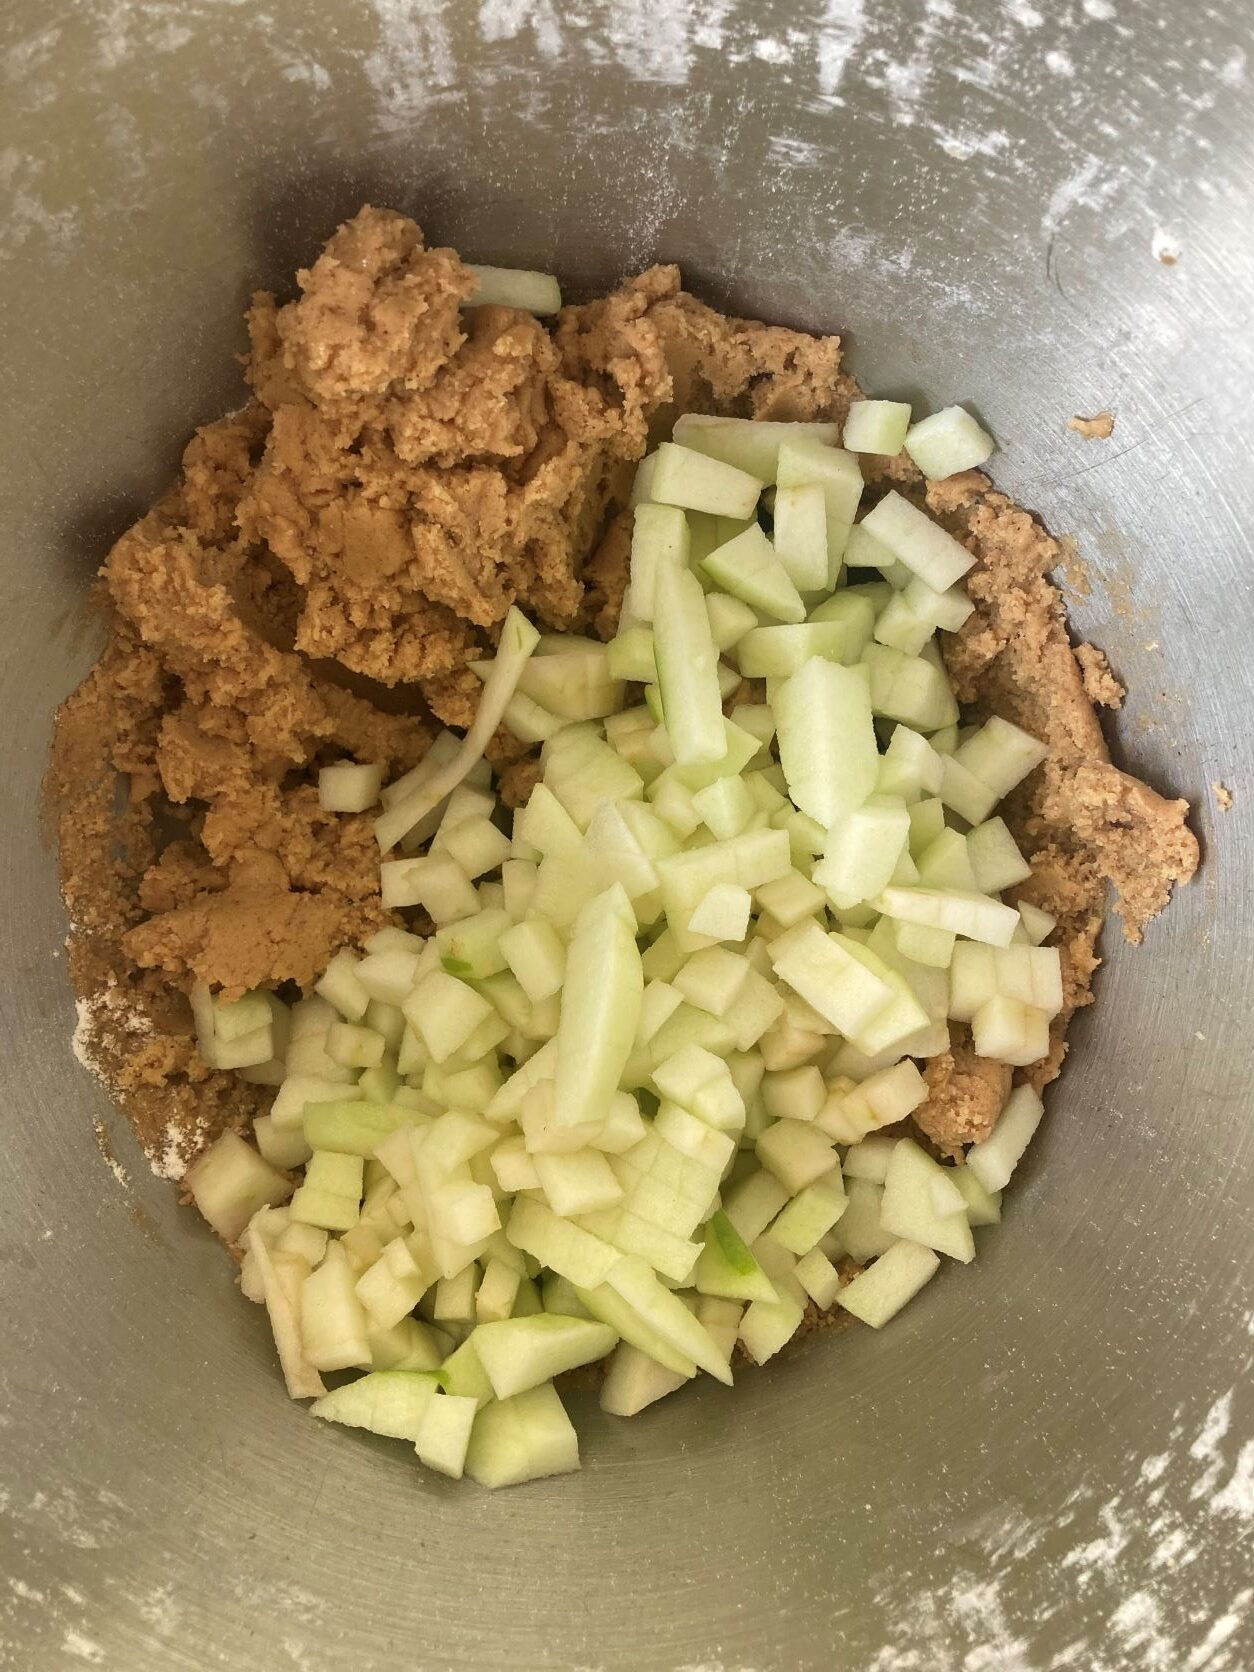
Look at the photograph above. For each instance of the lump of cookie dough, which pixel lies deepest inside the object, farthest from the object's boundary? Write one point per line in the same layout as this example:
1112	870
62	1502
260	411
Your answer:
425	468
966	1094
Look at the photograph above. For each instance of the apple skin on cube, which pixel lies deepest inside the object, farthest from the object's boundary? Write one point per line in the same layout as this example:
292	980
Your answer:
727	1268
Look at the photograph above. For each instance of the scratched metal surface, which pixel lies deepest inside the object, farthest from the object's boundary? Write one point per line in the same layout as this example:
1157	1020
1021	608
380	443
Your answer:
1040	1465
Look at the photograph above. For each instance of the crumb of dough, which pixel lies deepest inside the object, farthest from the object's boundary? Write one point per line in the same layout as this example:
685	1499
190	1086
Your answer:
1097	428
1223	796
1100	685
332	556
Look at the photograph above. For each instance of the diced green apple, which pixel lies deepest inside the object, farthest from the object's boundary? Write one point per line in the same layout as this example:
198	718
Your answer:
879	1293
1006	1030
976	916
388	1402
863	850
727	1268
521	1439
914	539
230	1182
444	1430
751	444
908	1209
600	1008
514	287
826	739
687	670
947	442
800	535
837	471
877	426
777	652
1001	755
748	567
634	1381
521	1353
697	482
660	541
637	1284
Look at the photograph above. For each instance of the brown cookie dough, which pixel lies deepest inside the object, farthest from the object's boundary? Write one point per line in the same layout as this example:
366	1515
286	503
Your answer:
333	555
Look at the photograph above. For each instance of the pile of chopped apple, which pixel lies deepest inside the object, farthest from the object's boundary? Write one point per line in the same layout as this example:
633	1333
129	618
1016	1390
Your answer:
629	1100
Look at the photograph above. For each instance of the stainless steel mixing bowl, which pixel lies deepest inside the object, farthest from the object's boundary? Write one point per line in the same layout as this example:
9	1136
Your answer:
1046	1462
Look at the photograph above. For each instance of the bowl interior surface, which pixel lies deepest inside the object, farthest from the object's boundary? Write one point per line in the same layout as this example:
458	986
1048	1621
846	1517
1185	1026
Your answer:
1045	1463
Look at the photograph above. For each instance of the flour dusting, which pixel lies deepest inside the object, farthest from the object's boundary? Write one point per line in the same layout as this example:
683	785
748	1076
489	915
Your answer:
1088	187
79	1647
506	20
652	42
1232	70
413	63
837	39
